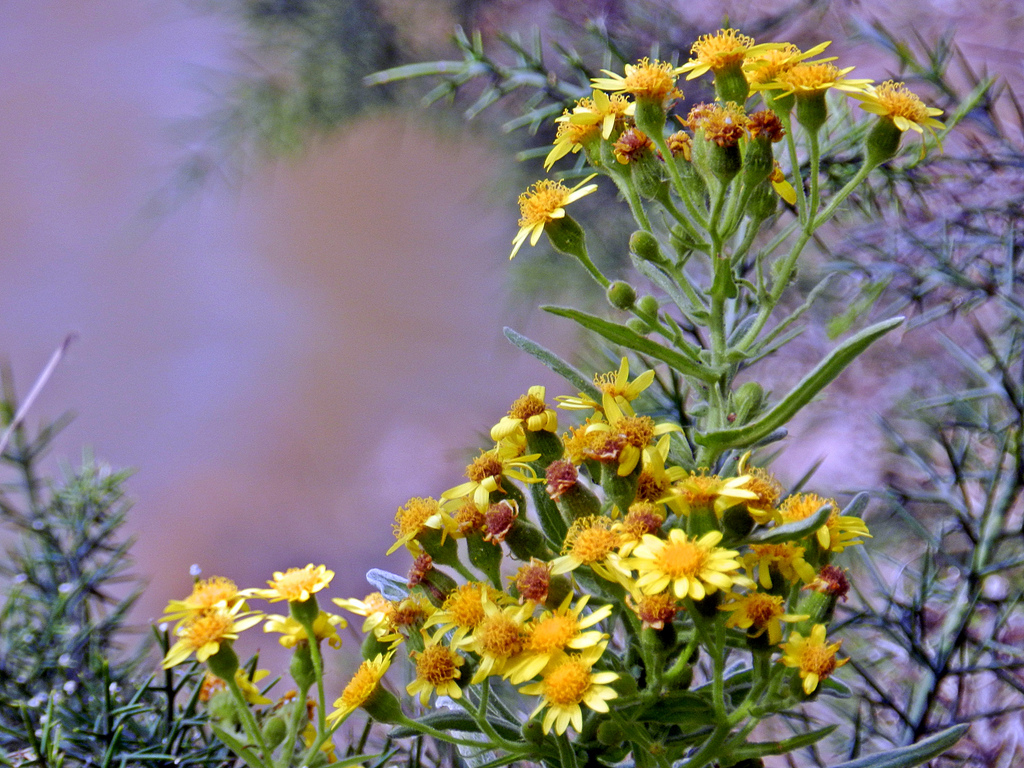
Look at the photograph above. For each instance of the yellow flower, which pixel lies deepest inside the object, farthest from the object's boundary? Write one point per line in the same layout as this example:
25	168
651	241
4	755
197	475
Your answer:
569	683
759	612
359	689
590	118
296	585
898	103
724	49
616	385
528	412
206	594
462	610
810	78
375	607
554	632
541	204
411	519
838	532
815	658
654	611
704	492
643	517
646	80
787	559
325	627
497	638
437	669
655	480
693	567
592	542
626	436
204	633
487	470
767	65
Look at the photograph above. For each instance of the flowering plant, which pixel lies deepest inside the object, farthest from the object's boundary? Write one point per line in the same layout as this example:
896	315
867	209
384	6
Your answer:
637	587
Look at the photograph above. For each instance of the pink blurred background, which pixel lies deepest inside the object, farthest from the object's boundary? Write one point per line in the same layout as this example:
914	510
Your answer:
285	361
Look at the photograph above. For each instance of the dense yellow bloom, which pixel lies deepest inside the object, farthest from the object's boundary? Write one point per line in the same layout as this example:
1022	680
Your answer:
543	203
486	471
643	518
615	385
815	658
626	436
591	541
591	118
359	689
206	594
529	412
375	607
325	627
838	532
649	80
787	559
555	631
725	48
767	65
809	78
437	669
497	638
296	585
703	492
692	567
463	610
417	514
898	103
759	612
204	633
569	683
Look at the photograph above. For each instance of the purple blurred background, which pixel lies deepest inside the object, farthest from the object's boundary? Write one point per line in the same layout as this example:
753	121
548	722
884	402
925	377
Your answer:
288	360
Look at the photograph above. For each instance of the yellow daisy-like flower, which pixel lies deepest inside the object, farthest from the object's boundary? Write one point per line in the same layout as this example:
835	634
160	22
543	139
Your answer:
838	532
643	518
204	633
591	118
360	688
655	480
375	607
529	412
487	470
815	658
692	567
702	492
543	203
462	611
898	103
616	385
724	49
758	613
629	434
296	585
437	669
765	487
552	633
768	65
811	78
498	638
569	683
206	594
412	518
645	80
591	541
786	559
325	627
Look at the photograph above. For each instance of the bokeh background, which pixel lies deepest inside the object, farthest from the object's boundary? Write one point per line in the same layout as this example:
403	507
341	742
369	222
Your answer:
290	349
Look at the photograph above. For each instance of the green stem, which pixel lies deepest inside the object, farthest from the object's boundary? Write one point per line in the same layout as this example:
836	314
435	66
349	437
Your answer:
625	185
677	181
815	148
794	161
682	662
293	727
426	730
252	728
318	670
481	720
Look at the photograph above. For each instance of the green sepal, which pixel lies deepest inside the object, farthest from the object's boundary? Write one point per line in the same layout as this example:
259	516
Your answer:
305	611
756	749
620	334
383	706
525	540
555	363
912	754
547	444
793	531
809	386
577	502
551	520
485	557
731	85
224	662
882	141
811	110
301	665
441	546
274	731
567	237
621	490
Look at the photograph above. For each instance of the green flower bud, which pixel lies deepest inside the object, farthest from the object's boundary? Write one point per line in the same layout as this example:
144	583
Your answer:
882	141
811	110
762	202
621	295
621	490
533	732
567	236
222	706
724	162
731	84
737	522
274	731
748	400
305	611
648	178
301	666
758	163
648	305
224	662
485	556
547	444
646	246
610	733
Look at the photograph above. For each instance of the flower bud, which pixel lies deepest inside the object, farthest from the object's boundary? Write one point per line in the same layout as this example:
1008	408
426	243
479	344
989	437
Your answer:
621	295
882	141
762	202
648	305
274	731
645	246
748	400
812	110
224	662
567	236
485	556
610	733
301	666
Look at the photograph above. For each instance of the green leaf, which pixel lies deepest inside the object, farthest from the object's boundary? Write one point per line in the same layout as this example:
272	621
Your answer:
555	363
912	754
623	336
683	708
793	531
456	720
243	751
809	386
834	687
761	748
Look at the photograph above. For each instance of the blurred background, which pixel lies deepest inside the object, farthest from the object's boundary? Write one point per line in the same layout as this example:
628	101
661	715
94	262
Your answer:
290	325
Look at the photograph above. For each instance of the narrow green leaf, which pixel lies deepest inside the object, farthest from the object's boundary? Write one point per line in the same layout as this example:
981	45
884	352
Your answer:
240	749
793	531
683	708
912	754
809	386
761	748
555	363
456	720
620	334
